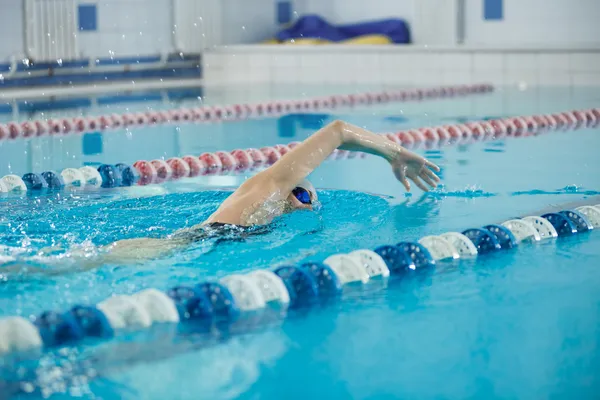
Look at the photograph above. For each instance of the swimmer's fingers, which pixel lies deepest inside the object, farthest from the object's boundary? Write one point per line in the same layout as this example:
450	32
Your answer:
419	184
401	176
406	184
430	174
428	180
432	165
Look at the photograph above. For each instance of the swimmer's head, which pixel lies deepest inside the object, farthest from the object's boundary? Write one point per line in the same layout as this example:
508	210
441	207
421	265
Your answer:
304	196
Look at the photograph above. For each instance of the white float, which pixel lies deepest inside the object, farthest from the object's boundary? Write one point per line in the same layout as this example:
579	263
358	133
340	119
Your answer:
245	291
125	312
157	304
439	247
271	286
543	226
372	262
91	176
592	213
73	177
522	230
17	334
347	268
14	184
461	243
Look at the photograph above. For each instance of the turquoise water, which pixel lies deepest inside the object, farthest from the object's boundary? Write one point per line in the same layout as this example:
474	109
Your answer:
516	324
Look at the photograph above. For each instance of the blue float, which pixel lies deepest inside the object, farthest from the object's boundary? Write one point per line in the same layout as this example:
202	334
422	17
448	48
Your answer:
505	237
111	176
57	329
34	181
328	283
129	175
484	240
562	224
396	260
53	180
190	303
578	219
220	298
301	285
418	254
92	321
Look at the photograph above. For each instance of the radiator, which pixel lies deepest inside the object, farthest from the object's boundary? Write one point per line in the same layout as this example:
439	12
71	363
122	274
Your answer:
51	29
197	24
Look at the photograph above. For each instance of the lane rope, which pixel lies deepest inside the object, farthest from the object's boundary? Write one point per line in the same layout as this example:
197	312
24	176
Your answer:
236	112
247	296
144	172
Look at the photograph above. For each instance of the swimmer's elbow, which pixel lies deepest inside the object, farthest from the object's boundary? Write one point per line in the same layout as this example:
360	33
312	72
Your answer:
338	129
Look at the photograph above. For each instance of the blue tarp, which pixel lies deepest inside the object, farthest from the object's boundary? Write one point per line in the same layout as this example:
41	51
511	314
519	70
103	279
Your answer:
315	27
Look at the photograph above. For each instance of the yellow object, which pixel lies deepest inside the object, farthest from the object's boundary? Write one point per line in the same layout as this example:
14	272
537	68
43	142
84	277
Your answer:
361	40
368	39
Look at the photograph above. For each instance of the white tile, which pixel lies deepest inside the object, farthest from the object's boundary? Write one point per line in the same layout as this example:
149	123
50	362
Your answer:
554	61
212	75
398	61
522	78
234	60
488	61
450	77
311	75
400	75
108	17
588	62
258	75
427	61
368	71
212	60
284	60
284	75
586	79
493	77
521	61
330	75
554	78
424	77
457	61
89	45
261	60
310	60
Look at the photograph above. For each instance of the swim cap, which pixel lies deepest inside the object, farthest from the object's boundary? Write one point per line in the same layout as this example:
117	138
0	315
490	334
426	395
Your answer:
305	184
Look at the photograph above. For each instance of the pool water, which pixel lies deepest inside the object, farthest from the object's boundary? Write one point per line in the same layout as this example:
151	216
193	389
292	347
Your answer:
517	324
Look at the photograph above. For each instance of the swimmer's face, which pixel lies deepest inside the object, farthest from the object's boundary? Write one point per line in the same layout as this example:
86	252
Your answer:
301	199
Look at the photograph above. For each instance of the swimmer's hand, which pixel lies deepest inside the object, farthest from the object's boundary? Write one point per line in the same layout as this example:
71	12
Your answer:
408	165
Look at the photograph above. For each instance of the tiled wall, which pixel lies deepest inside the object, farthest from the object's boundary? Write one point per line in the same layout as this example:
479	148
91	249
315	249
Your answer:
349	11
555	22
129	28
11	29
387	65
248	21
141	27
123	28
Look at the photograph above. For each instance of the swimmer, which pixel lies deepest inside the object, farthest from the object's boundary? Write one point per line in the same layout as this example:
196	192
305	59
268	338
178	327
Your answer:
283	187
279	189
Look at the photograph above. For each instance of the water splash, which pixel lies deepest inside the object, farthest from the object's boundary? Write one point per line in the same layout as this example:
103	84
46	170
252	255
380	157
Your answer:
470	192
569	189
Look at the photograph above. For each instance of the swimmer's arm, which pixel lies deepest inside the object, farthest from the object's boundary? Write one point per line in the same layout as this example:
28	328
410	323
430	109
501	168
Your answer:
296	165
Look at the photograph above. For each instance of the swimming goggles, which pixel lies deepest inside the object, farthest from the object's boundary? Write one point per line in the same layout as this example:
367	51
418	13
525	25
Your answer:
302	195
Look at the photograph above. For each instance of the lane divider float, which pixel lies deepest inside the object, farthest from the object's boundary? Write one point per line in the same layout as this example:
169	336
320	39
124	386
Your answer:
229	299
157	171
237	112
